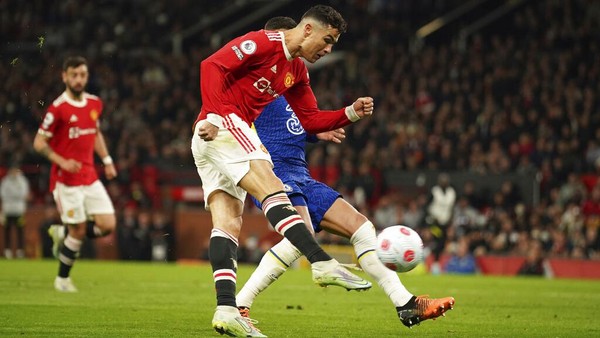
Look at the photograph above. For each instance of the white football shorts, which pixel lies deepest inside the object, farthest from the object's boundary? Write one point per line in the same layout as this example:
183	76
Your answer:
224	161
78	203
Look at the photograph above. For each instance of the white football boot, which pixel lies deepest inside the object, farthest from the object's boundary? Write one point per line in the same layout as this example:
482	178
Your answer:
64	285
227	320
333	273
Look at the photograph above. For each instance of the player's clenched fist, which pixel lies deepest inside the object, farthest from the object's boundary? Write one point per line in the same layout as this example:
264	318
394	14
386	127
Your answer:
363	106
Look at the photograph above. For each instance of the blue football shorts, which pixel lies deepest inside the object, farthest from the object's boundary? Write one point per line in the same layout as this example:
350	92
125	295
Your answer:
317	196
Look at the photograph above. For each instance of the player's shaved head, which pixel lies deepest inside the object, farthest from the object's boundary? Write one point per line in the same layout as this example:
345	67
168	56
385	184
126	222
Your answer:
280	22
327	16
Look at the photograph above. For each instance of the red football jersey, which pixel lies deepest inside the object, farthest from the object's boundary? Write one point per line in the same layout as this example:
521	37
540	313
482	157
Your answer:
71	127
254	69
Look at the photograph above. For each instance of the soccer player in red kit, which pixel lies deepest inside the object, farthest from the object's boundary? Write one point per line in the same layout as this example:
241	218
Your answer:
68	137
237	82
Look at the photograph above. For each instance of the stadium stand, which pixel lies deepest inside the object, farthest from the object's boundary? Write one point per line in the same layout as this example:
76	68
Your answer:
511	112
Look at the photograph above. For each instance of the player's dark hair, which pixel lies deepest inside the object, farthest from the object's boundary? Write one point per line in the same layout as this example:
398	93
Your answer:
280	22
328	16
74	62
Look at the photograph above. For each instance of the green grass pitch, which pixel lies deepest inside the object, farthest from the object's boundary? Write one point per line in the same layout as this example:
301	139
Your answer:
118	299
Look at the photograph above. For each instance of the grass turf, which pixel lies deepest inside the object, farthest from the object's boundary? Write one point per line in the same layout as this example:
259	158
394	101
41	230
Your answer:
118	299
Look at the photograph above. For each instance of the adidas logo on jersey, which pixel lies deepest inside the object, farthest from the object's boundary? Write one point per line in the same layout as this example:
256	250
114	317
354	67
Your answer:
274	69
73	118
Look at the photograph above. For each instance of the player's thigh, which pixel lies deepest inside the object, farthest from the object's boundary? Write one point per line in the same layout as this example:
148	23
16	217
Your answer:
260	181
70	203
342	219
225	161
99	206
213	180
226	212
97	201
319	199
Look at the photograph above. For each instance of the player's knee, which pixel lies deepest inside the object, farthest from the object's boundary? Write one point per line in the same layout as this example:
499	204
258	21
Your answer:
357	220
232	226
106	223
77	231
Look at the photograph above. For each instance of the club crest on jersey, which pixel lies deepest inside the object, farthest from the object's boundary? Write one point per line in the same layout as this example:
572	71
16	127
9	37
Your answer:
264	149
293	124
288	81
248	47
94	114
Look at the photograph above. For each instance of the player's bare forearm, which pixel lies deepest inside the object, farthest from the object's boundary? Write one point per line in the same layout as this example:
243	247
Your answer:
40	144
100	147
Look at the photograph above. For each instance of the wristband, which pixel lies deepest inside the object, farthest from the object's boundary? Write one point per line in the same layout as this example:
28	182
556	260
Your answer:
107	160
351	114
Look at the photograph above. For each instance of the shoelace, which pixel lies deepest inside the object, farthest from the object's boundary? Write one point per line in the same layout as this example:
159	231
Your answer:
245	313
251	323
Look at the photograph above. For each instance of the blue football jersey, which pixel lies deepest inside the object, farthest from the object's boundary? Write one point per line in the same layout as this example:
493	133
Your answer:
282	134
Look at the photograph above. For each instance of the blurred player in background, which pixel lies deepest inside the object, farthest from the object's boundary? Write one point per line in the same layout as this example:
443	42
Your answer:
321	207
237	82
68	137
14	192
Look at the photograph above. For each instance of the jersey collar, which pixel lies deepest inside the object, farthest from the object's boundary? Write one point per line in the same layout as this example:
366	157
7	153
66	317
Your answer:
78	104
288	56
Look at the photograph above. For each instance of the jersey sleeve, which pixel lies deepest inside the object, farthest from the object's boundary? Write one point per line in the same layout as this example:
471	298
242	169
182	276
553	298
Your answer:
239	54
49	123
302	100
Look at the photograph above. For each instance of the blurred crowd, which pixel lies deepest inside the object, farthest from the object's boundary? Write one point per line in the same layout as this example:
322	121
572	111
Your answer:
522	95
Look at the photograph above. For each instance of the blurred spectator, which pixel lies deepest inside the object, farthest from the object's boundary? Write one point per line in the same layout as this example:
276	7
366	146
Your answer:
533	264
142	236
461	261
572	191
14	193
414	215
126	241
162	237
591	208
439	214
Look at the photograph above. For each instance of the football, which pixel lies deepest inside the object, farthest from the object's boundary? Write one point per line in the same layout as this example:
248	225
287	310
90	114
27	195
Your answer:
400	248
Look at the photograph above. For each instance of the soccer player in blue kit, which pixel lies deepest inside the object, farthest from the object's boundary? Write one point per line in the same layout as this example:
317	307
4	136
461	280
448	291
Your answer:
324	209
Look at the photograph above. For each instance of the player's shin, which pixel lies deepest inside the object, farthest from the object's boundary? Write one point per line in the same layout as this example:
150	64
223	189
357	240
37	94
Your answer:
272	265
67	255
286	221
364	241
223	259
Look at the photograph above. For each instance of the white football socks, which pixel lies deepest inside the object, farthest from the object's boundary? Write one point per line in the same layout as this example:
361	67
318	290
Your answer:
272	265
276	261
365	242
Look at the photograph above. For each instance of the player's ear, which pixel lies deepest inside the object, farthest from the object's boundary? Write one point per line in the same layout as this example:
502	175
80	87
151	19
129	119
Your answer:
64	76
307	29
